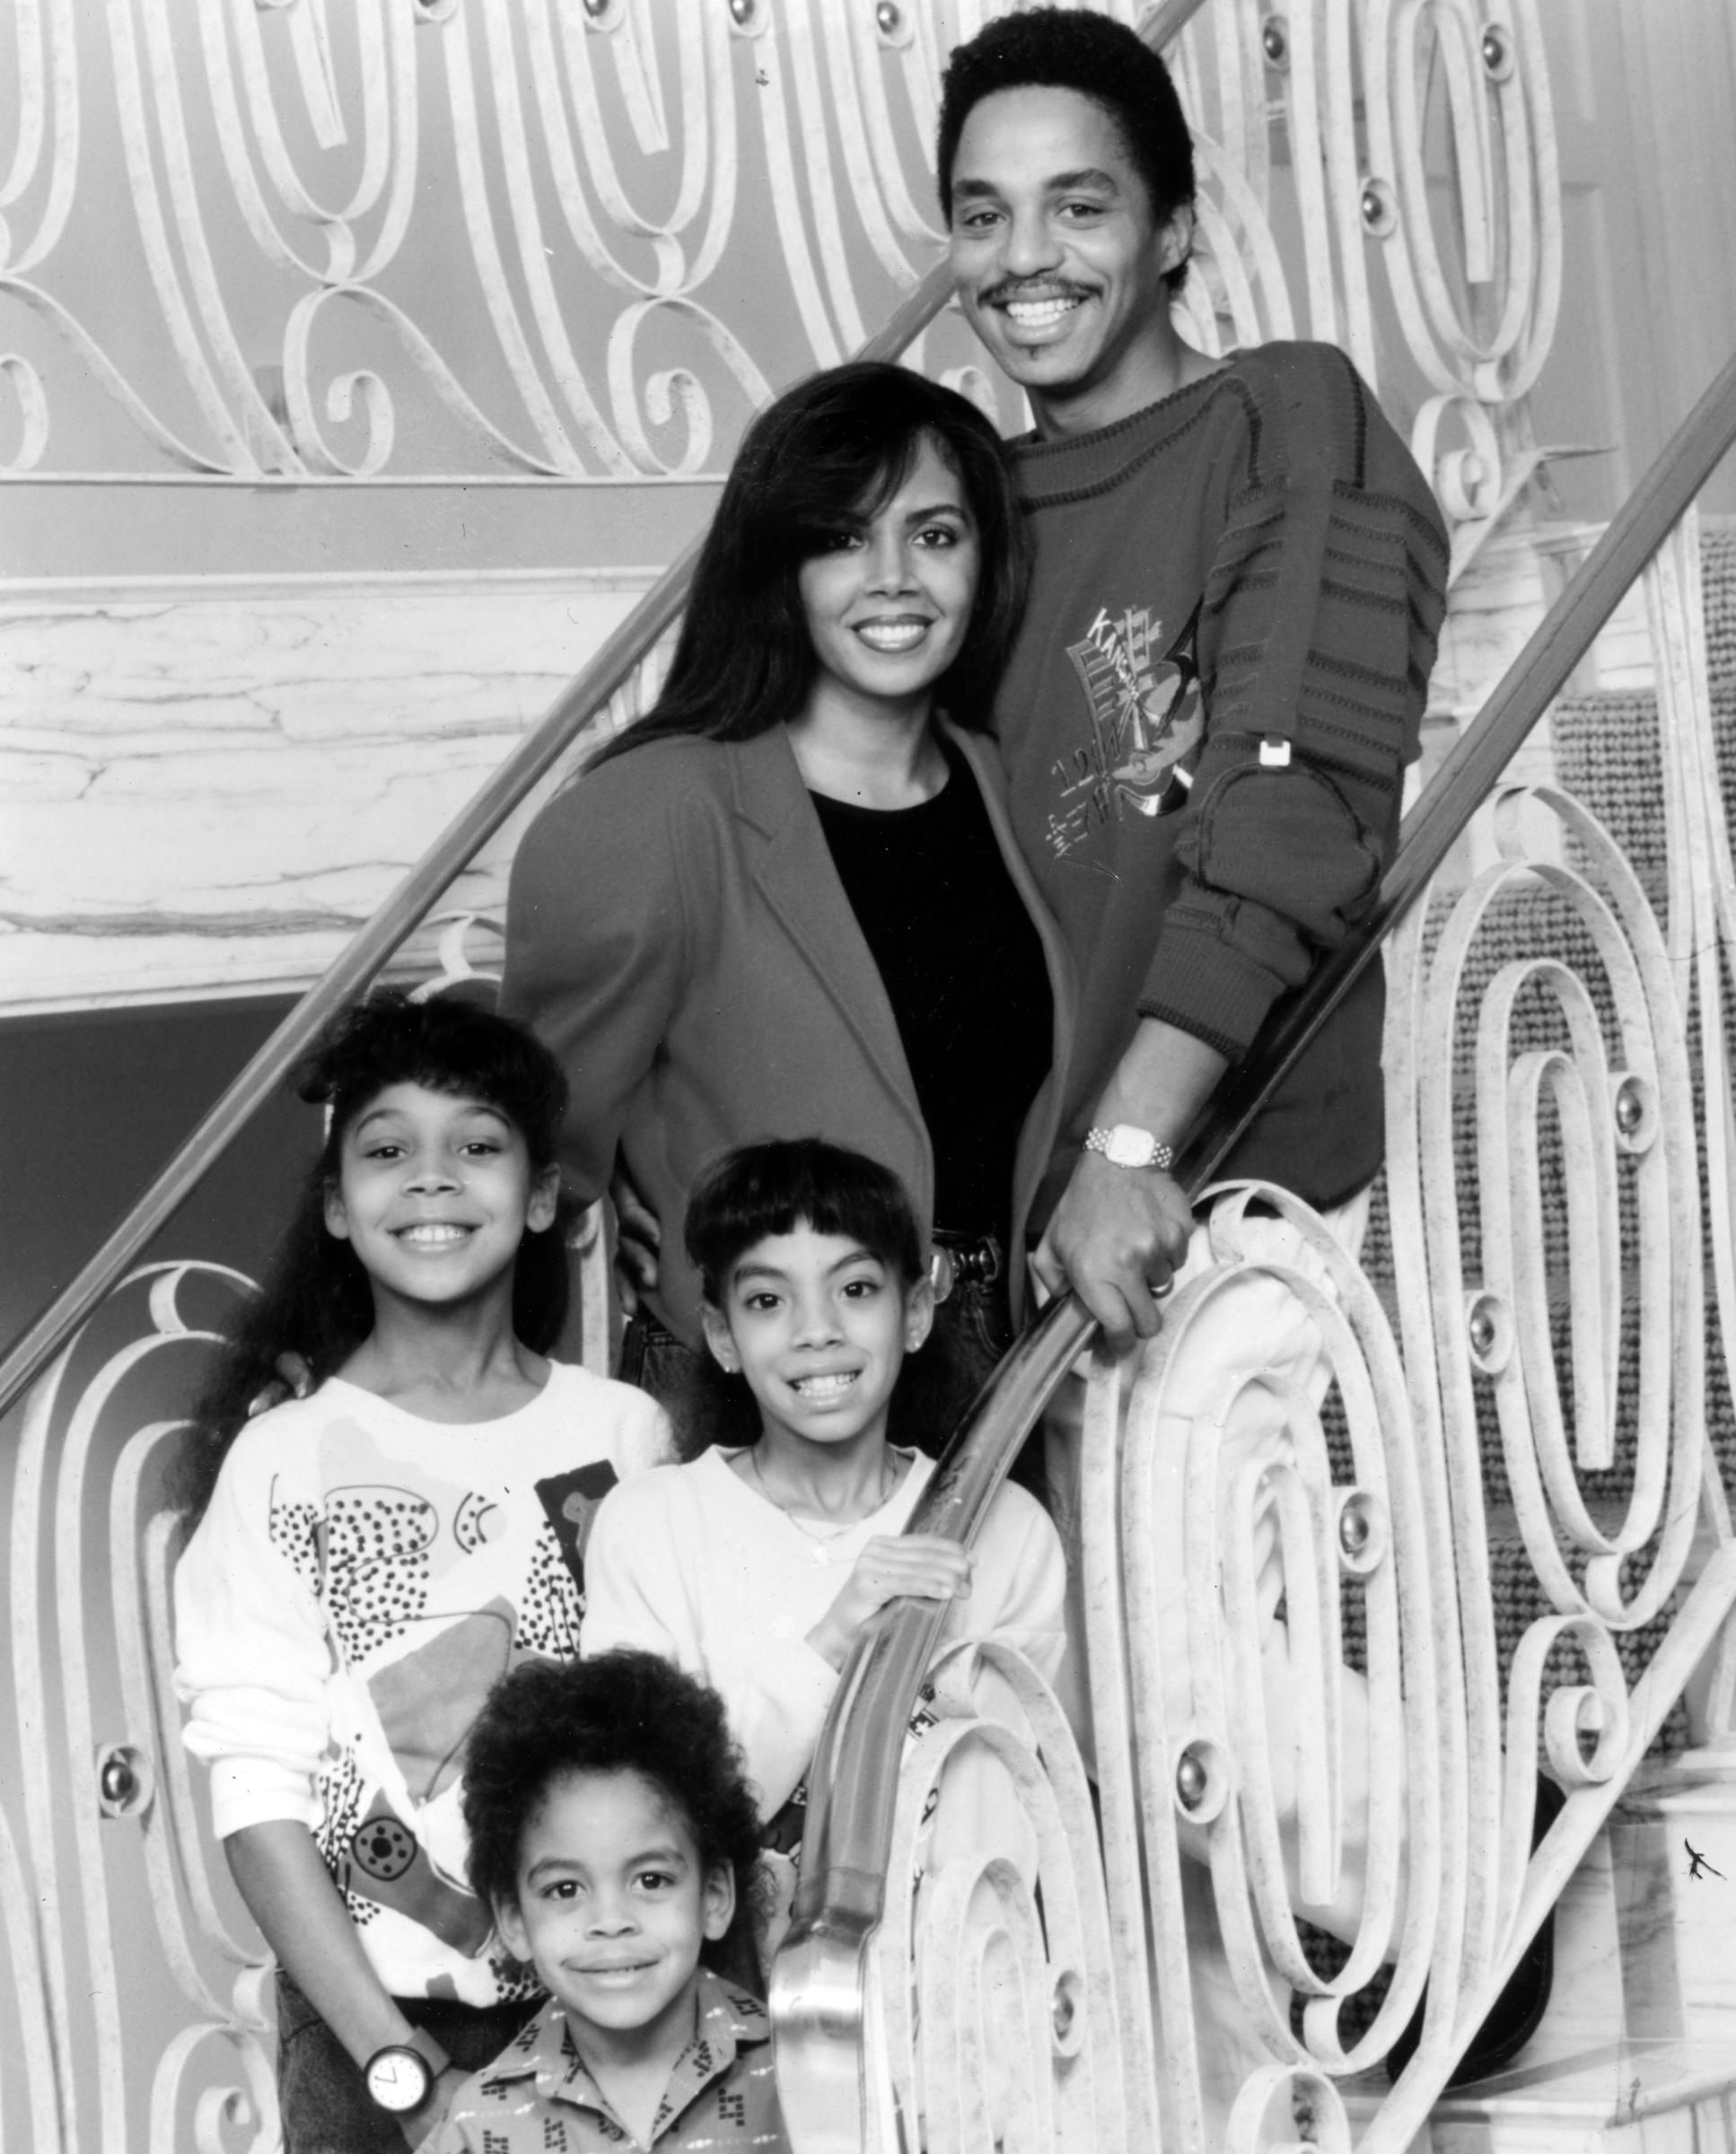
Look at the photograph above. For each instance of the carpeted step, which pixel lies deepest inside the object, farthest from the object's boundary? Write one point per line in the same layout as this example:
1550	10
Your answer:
1606	745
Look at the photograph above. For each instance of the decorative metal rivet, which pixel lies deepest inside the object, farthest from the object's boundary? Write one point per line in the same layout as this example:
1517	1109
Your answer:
1497	51
1203	1780
1362	1536
1379	212
1275	41
1630	1107
1488	1333
596	9
889	19
741	12
1066	2012
123	1780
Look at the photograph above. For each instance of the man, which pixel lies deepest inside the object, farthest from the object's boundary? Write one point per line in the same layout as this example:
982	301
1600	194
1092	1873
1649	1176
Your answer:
1239	581
1238	587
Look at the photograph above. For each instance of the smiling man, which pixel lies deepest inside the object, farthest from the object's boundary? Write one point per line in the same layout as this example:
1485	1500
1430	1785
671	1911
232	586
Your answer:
1238	587
1238	581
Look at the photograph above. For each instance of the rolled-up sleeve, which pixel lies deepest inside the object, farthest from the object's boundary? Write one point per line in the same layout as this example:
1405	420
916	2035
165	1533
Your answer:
252	1661
1316	634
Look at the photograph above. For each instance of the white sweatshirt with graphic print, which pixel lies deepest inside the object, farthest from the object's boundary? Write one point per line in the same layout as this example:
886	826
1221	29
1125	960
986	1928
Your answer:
361	1579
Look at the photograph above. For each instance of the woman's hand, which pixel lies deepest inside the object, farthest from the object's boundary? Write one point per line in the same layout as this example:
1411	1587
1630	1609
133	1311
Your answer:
638	1242
892	1565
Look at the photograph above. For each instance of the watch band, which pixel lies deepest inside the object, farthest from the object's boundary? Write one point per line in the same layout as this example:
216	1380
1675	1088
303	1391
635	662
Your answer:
1127	1145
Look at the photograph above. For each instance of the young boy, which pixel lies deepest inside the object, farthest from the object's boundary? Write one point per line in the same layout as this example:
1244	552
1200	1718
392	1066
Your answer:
755	1568
614	1838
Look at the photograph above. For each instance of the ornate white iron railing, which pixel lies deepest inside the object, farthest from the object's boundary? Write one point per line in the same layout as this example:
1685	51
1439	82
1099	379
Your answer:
460	238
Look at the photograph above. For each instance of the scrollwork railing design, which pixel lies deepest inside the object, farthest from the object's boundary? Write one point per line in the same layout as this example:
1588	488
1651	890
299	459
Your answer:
110	1827
457	238
992	1972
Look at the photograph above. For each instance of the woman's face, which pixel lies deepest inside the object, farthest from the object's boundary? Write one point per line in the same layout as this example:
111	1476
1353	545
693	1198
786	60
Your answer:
888	601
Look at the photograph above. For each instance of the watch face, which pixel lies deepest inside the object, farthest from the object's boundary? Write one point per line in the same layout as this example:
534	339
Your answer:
399	2079
1130	1147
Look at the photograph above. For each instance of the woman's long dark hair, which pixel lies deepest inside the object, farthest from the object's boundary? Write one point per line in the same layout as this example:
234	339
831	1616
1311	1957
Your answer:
836	447
316	1302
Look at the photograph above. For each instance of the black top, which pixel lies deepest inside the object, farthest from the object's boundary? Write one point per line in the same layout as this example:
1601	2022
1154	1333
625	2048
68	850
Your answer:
963	969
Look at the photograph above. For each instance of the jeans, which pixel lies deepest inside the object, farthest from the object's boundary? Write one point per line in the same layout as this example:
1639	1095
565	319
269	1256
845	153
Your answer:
321	2094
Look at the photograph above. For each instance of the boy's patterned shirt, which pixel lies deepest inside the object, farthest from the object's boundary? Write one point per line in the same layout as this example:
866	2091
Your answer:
537	2096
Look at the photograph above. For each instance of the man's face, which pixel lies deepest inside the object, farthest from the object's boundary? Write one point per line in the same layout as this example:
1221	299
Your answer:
1059	257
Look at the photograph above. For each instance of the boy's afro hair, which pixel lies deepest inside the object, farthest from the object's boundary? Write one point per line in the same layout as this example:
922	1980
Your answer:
623	1712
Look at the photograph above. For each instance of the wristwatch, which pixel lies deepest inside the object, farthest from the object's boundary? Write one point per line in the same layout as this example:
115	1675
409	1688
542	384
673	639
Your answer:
1126	1145
400	2077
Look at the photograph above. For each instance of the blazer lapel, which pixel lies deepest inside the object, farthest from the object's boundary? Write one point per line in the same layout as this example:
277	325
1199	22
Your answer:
792	865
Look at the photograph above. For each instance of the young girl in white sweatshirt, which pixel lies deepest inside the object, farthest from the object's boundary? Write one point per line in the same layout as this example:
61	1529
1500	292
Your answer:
368	1559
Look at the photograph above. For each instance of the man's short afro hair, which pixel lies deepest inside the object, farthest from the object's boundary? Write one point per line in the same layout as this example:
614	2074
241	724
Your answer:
1073	49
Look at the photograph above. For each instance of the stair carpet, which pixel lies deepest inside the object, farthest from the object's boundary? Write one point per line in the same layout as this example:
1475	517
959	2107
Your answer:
1611	2070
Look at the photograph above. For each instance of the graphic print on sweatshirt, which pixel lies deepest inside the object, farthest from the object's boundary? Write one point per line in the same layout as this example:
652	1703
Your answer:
431	1592
1143	725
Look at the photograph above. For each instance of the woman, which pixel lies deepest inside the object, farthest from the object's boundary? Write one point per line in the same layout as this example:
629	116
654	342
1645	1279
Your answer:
786	902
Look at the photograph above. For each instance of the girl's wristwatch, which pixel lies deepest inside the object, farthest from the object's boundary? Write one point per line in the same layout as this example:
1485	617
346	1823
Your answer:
401	2077
1127	1145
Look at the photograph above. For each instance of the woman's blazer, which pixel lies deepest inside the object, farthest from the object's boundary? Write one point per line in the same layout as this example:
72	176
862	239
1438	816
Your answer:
678	935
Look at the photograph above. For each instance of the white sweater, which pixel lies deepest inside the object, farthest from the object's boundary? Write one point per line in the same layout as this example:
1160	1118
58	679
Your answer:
692	1562
360	1580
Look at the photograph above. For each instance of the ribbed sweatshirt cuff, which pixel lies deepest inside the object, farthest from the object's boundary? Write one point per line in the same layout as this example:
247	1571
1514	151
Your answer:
1202	985
256	1790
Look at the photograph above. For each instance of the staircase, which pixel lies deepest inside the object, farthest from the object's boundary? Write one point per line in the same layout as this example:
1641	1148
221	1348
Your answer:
1638	2048
1156	1989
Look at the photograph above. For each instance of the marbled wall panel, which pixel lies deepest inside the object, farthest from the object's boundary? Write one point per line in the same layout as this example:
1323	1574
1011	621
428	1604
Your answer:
204	787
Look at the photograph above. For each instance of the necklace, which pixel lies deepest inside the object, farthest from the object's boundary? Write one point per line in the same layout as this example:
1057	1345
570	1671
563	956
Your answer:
889	1481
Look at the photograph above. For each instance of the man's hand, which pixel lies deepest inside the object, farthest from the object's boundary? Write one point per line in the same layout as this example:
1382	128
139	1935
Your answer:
1115	1237
638	1242
924	1564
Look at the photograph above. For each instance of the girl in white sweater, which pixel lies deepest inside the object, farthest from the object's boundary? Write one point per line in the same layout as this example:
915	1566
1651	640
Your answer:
371	1557
754	1568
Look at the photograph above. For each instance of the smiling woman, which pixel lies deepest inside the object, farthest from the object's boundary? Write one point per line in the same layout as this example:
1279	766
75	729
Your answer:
787	901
